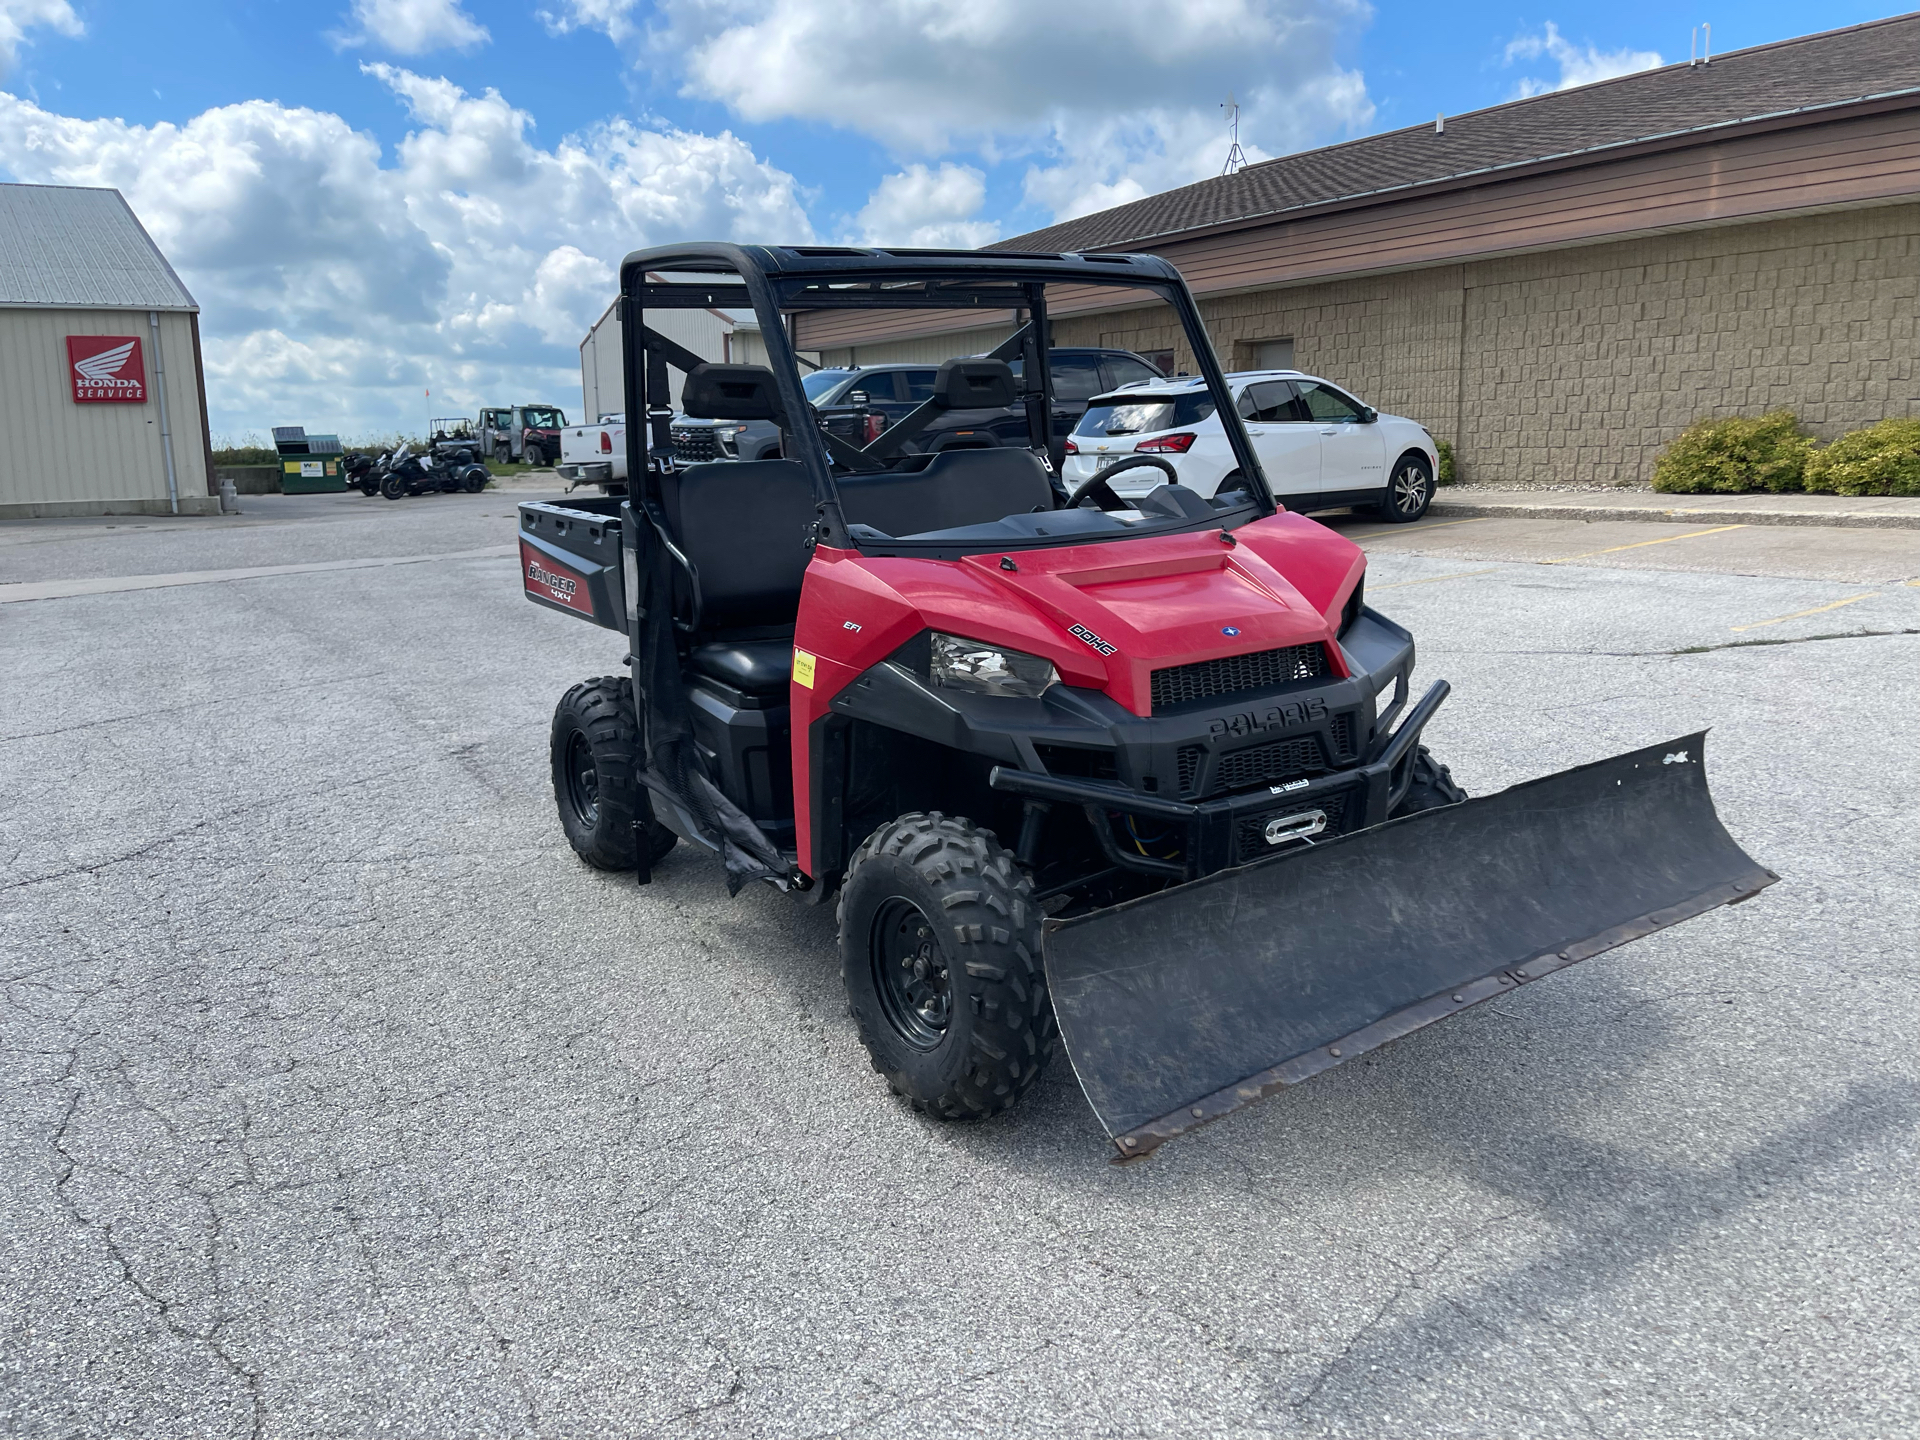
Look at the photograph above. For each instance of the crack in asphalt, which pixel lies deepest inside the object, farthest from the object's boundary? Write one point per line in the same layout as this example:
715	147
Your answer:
161	1304
1410	1281
252	806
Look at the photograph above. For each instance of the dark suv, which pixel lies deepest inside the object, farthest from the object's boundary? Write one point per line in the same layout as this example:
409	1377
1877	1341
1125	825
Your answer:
859	403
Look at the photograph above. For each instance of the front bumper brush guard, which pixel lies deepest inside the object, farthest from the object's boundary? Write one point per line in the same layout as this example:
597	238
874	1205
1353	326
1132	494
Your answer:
1209	825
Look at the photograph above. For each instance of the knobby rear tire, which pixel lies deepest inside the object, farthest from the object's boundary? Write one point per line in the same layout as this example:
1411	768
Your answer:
977	903
595	730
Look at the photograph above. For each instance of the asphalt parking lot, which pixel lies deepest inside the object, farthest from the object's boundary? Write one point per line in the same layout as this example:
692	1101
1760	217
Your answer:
337	1098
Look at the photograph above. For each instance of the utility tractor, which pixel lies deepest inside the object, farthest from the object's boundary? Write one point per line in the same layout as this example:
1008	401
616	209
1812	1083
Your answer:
1142	777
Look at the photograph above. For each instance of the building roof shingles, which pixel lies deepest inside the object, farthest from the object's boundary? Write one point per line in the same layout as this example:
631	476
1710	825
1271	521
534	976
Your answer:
1832	68
67	245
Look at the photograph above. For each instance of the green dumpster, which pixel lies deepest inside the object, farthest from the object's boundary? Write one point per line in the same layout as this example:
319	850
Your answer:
309	464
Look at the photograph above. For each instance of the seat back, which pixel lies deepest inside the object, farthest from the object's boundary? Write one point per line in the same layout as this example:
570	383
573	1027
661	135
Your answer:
957	487
743	524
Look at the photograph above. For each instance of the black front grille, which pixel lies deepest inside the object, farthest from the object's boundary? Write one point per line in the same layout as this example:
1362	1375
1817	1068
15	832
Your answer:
1268	764
1260	670
1342	729
1189	761
691	447
1250	834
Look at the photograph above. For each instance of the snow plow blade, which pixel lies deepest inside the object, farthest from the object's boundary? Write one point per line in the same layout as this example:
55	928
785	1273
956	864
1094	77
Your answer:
1184	1006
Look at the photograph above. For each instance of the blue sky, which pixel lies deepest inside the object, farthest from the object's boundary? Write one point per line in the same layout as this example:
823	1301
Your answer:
371	197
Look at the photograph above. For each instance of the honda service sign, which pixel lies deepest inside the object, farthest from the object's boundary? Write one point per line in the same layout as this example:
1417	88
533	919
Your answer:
106	367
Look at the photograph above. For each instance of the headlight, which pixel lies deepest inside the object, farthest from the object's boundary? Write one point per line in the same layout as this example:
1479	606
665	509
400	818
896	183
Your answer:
972	665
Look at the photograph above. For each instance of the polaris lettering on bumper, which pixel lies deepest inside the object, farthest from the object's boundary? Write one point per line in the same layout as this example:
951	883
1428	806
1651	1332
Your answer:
1277	717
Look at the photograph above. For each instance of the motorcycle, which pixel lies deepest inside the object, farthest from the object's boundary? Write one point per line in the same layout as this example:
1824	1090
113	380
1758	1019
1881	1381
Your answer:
362	472
406	473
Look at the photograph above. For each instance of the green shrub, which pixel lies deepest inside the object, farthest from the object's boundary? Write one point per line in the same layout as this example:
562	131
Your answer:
230	454
1448	471
1882	459
1734	455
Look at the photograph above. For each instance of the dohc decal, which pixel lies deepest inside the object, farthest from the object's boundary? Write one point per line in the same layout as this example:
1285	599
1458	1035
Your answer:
547	579
1082	633
106	368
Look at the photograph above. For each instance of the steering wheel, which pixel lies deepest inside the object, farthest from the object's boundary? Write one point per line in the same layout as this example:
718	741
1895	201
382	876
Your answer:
1099	490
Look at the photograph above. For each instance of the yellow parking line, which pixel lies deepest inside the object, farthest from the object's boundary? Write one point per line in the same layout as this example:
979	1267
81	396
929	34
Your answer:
1422	529
1430	580
1817	610
1664	540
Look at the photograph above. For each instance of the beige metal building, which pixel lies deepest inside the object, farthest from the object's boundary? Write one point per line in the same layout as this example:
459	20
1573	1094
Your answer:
102	404
1561	284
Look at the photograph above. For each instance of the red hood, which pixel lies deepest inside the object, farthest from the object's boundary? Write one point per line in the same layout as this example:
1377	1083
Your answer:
1110	614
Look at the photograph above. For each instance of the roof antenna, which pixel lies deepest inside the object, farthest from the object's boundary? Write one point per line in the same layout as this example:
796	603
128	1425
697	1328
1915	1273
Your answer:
1236	157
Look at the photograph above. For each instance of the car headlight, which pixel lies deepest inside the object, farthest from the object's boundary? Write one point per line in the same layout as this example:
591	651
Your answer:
962	664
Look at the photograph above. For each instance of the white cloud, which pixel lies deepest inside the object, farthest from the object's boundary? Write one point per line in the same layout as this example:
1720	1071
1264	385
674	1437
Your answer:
613	18
413	27
1111	98
19	16
1579	64
337	282
925	207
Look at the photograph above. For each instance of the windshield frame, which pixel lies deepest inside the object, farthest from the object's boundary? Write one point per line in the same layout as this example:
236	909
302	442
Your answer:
776	283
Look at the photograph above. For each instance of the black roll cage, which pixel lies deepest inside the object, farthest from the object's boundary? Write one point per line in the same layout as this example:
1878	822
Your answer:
775	282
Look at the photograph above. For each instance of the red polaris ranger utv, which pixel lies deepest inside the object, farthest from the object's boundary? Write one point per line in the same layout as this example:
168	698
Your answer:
1143	777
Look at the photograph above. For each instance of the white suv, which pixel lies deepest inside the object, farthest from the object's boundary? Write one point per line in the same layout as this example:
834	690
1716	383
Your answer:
1321	449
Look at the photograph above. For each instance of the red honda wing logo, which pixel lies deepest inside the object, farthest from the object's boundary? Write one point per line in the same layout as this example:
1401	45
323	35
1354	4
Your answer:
106	367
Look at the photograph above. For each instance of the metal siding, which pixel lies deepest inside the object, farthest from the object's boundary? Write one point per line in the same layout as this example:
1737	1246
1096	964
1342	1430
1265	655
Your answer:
69	245
58	450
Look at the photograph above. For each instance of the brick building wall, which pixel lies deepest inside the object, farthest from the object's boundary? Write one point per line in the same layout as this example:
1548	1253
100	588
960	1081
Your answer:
1580	365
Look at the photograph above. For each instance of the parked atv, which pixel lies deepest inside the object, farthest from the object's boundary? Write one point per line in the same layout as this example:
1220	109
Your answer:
1141	777
409	474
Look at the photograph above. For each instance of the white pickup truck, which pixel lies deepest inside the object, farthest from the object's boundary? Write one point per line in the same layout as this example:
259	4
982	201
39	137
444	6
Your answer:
594	454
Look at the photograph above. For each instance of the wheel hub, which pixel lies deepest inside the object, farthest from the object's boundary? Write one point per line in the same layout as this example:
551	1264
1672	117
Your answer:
911	975
583	780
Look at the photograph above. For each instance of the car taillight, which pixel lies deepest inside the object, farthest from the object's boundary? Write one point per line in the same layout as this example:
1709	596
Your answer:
606	443
1072	449
876	422
1165	444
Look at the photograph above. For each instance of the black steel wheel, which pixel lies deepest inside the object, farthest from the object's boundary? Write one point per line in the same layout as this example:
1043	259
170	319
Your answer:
940	955
1409	489
582	787
596	776
910	974
392	486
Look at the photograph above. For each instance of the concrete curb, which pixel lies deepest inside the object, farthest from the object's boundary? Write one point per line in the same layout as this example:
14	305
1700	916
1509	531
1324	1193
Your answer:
1733	514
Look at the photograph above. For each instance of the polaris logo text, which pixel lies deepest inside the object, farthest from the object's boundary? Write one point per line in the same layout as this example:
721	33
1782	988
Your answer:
1081	632
559	584
1277	717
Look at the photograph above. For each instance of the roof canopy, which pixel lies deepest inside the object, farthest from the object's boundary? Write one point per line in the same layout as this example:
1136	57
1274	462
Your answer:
62	245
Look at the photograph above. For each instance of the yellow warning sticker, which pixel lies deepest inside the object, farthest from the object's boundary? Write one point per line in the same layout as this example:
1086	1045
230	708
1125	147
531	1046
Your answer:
803	668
